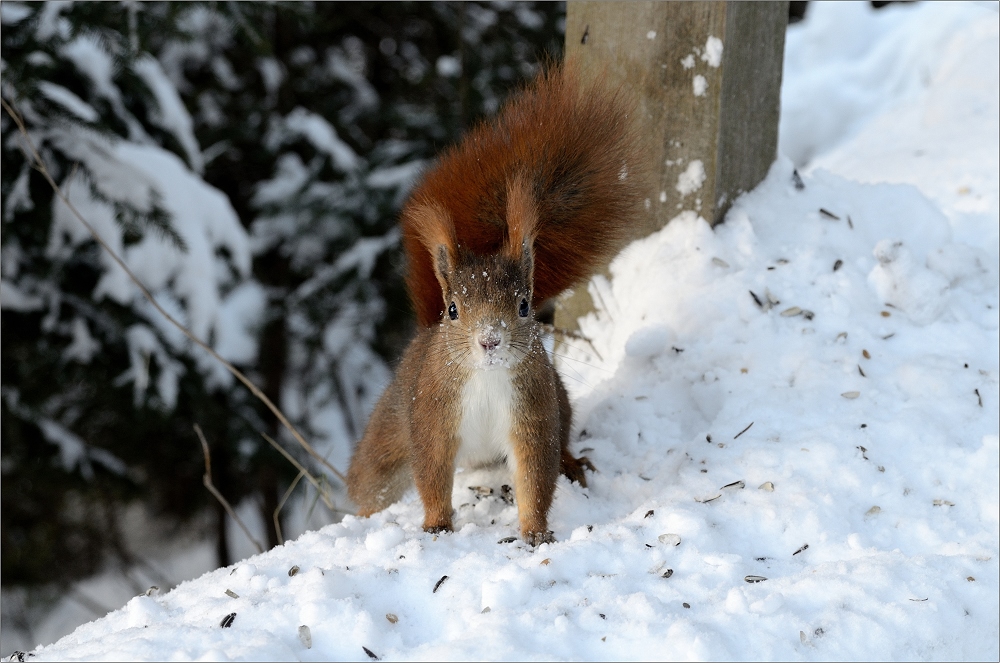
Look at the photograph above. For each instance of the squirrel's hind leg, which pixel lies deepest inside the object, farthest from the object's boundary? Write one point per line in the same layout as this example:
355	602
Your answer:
571	467
380	468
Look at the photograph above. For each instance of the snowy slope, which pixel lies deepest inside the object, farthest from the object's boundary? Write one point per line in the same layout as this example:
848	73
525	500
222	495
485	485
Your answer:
871	385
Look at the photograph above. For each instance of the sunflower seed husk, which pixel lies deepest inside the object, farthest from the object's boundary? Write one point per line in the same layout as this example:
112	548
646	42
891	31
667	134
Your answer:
305	637
670	539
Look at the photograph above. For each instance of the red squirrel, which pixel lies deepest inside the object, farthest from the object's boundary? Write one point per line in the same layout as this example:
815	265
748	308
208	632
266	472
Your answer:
524	207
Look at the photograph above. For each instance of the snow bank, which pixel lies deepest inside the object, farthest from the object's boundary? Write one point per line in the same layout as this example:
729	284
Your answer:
805	399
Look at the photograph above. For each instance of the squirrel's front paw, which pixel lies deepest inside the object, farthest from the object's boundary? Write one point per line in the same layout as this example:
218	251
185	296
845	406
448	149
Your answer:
437	528
573	468
538	538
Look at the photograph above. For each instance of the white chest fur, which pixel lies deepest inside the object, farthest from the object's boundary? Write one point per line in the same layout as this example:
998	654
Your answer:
487	414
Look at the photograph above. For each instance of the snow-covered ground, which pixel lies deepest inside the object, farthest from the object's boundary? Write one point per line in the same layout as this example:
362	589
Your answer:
805	398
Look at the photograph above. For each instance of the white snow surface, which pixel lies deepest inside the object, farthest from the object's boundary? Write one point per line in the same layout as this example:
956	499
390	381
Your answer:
854	409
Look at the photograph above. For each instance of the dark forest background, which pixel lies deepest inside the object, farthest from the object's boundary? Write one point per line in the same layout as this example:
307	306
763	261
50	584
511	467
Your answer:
259	83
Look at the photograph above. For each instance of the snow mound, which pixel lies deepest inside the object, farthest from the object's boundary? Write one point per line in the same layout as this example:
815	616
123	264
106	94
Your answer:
794	420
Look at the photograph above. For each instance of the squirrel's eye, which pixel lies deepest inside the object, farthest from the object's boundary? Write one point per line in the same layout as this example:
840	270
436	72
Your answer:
523	310
453	311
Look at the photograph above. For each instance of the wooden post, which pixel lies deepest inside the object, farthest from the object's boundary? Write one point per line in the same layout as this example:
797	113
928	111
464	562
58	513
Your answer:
708	79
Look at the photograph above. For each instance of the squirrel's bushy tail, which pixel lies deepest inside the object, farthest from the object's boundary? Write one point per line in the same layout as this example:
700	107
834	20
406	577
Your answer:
574	148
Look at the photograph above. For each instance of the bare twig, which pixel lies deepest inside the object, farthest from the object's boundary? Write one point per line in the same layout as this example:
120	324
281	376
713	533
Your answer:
281	505
291	459
569	333
40	166
207	480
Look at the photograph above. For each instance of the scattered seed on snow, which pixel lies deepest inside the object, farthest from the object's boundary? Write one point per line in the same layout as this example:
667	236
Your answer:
667	573
797	181
481	491
979	396
767	485
231	594
152	590
507	539
943	503
744	430
874	511
757	300
861	371
228	620
545	562
670	539
851	394
754	579
305	637
790	312
739	485
720	262
648	514
370	653
391	617
484	610
706	500
828	214
805	546
918	600
292	571
686	605
438	584
837	265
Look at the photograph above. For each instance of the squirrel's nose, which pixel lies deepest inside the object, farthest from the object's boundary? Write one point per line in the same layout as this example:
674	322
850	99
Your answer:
489	341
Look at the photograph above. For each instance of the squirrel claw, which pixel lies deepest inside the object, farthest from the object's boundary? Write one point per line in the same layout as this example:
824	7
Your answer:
437	529
535	539
573	468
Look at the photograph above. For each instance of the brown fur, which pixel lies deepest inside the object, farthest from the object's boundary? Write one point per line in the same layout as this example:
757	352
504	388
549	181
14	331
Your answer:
569	143
522	209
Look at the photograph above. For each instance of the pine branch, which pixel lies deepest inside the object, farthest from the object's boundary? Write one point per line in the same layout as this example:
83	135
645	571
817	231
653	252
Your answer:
39	165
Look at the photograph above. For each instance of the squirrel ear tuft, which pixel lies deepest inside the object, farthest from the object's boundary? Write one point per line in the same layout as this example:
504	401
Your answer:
522	217
442	266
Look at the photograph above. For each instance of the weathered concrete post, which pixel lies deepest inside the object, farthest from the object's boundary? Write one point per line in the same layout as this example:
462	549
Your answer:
708	79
